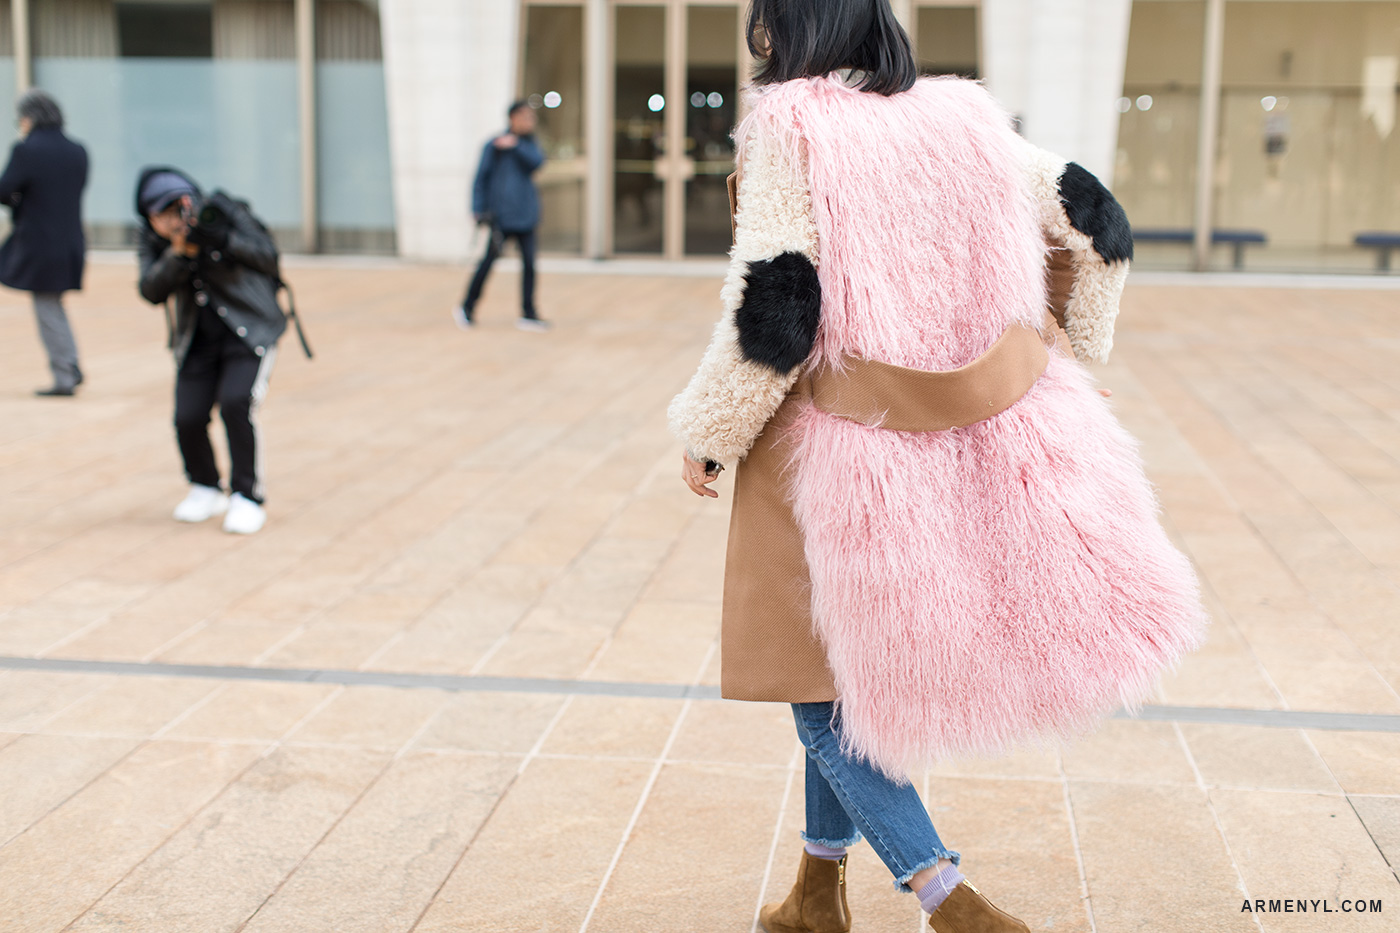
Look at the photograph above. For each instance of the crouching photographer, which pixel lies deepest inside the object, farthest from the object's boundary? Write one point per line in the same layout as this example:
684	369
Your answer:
215	267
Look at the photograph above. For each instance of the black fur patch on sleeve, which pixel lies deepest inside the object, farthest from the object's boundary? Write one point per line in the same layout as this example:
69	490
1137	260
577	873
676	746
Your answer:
1096	213
778	320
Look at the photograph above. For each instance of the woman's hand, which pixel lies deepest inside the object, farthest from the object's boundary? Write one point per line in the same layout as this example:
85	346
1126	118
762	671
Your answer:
694	475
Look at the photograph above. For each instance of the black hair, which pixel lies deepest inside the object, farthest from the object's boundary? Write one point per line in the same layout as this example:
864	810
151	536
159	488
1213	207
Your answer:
518	106
812	38
41	110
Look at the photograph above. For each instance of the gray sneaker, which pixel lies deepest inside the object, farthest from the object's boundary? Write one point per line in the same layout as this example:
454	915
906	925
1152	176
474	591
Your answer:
532	324
463	319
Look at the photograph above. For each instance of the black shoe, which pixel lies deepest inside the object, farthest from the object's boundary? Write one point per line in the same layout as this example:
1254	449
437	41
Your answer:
54	392
78	381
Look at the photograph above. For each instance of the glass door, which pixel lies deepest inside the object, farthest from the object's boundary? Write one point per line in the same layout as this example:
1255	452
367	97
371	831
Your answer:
639	129
675	97
711	106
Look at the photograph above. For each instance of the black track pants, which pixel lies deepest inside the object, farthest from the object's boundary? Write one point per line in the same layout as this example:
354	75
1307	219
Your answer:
221	369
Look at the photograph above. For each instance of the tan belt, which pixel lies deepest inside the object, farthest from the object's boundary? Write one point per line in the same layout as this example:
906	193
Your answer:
901	399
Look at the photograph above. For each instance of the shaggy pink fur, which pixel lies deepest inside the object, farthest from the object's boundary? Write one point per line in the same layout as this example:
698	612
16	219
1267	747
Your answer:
988	585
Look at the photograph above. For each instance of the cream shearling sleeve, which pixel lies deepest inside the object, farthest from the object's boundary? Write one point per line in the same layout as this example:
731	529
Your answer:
771	300
1078	214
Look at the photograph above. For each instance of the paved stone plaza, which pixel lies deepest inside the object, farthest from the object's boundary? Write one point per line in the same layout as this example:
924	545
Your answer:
464	679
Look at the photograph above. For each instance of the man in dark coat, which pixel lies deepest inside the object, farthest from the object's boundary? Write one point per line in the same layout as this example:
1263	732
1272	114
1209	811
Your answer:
218	265
43	187
504	198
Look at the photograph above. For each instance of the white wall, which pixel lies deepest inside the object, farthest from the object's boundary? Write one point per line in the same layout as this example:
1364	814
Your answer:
449	69
1058	64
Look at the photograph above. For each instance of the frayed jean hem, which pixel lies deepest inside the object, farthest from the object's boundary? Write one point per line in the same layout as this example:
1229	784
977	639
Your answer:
902	883
833	843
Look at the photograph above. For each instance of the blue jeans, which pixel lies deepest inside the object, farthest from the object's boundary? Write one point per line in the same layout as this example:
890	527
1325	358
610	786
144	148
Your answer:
848	799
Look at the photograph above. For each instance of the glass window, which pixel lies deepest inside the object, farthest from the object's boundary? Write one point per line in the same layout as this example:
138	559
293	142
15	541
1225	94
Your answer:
165	30
712	89
639	129
553	84
228	116
354	174
1159	116
945	40
1308	153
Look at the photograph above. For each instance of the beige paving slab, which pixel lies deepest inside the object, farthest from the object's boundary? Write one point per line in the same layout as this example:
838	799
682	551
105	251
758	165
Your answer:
132	706
28	699
1138	842
381	865
1363	762
586	805
738	732
1381	817
658	641
114	823
625	727
1122	750
1257	759
679	813
380	717
1016	846
508	723
251	711
39	772
215	872
1268	834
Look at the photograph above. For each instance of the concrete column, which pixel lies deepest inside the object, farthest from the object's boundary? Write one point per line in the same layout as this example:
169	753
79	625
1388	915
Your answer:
306	111
1208	134
598	119
449	70
19	29
1058	65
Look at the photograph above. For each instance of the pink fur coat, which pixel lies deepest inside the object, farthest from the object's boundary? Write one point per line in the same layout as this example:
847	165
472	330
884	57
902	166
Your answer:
973	588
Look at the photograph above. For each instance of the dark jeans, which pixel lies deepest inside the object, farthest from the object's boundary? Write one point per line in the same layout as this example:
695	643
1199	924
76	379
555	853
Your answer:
526	240
220	368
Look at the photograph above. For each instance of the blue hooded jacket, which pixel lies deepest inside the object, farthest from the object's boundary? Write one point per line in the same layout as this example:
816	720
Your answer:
503	191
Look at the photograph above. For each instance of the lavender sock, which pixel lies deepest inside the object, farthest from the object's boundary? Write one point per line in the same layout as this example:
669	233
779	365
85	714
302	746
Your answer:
937	890
817	850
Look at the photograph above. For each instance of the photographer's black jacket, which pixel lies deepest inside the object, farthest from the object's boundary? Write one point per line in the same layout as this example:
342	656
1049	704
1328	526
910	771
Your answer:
236	279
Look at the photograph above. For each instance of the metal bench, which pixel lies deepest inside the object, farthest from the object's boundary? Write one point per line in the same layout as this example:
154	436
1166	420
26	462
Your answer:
1239	239
1382	243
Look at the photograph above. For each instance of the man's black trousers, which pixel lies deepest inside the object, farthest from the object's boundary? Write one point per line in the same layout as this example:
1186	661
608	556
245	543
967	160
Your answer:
221	369
526	239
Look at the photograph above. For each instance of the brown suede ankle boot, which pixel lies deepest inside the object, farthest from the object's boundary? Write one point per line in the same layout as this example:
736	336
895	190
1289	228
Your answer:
967	911
817	903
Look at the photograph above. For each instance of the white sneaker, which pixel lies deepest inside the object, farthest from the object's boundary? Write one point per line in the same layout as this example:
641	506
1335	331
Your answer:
245	517
532	324
464	321
201	504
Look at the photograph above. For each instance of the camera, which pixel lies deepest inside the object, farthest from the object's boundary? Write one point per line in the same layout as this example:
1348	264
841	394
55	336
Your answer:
208	224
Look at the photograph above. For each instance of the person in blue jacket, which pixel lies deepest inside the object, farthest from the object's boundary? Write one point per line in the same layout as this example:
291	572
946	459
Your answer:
43	187
504	198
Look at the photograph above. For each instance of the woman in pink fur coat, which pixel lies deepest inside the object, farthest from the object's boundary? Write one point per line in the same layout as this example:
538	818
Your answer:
942	542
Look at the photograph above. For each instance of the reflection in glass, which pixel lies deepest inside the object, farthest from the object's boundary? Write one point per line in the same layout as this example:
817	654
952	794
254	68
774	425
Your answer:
217	98
1155	171
639	130
712	85
553	85
1308	153
356	198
